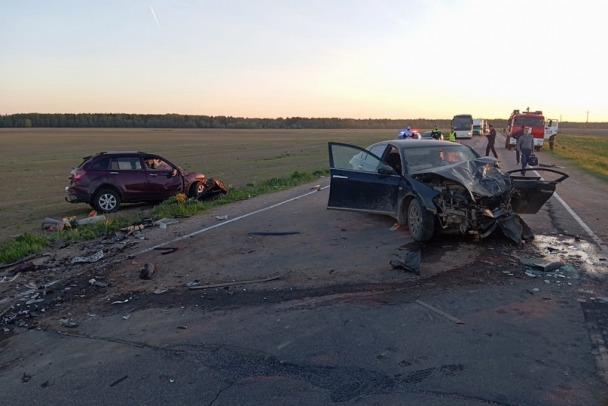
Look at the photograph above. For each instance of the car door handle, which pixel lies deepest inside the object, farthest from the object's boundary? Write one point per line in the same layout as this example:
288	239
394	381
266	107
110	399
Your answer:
113	173
340	176
154	174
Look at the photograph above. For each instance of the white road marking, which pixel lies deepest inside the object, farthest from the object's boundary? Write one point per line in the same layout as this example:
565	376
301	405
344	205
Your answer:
601	244
223	223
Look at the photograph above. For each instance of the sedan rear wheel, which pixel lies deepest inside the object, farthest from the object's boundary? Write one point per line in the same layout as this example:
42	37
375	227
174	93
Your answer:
106	200
420	221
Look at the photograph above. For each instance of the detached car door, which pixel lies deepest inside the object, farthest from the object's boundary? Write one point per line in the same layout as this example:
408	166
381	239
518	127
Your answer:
361	181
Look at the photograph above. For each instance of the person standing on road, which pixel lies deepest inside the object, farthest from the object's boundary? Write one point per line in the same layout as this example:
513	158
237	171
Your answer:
525	145
517	135
405	134
436	134
491	140
452	136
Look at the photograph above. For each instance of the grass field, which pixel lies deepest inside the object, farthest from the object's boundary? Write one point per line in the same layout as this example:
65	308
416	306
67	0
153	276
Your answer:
585	150
35	163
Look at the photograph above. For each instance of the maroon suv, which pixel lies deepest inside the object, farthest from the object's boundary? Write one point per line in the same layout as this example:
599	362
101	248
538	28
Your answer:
106	179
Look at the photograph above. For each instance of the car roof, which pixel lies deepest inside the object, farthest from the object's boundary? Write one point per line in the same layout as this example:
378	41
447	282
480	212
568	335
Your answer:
421	143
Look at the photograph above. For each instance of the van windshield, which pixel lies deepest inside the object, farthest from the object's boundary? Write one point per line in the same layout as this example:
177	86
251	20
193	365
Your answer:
528	121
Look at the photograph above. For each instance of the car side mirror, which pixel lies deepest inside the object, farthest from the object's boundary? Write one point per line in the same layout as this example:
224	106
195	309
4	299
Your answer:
386	170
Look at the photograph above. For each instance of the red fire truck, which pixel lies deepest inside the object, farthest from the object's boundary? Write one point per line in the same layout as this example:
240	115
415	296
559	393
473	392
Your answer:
541	129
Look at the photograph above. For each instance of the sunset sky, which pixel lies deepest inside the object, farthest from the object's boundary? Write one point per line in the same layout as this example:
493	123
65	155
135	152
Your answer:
316	58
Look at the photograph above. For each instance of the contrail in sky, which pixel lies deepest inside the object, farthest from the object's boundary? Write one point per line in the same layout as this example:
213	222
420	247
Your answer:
155	19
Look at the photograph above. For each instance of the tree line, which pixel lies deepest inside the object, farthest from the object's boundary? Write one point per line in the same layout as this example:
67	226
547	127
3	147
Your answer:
119	120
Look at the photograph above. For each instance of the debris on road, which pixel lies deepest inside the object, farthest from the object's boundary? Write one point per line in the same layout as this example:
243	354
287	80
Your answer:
220	285
410	262
164	222
280	233
167	250
100	284
440	312
147	271
116	382
88	259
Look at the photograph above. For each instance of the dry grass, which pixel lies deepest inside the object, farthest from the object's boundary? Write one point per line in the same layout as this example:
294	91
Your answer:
35	163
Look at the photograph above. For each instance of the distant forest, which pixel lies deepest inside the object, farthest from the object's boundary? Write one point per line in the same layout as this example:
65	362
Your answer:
30	120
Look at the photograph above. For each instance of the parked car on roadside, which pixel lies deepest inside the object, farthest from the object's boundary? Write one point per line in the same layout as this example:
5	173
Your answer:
107	179
435	186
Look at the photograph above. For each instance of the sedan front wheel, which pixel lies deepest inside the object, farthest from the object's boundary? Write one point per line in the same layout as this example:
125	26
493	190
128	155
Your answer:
420	221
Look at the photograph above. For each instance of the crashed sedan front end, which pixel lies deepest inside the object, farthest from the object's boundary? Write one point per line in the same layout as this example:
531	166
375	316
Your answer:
472	197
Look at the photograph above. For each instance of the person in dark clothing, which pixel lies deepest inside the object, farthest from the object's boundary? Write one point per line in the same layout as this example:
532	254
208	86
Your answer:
517	135
491	140
436	134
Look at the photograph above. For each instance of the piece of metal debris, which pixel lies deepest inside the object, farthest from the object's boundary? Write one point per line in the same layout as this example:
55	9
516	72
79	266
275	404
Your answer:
219	285
91	258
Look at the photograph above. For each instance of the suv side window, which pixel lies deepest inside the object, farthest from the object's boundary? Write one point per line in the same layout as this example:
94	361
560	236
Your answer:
101	164
126	163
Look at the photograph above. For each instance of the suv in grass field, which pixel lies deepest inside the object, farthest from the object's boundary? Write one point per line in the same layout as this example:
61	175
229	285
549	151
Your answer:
107	179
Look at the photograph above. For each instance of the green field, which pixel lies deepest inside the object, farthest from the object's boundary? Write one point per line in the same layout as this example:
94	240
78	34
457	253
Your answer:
35	163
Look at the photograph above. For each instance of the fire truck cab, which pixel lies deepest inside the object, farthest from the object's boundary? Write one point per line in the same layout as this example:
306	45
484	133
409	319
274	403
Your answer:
541	129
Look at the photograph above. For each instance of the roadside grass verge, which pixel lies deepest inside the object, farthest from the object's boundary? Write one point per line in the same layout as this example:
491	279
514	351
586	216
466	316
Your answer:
26	244
585	151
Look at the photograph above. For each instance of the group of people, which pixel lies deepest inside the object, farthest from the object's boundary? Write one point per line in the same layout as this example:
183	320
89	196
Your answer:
523	149
435	134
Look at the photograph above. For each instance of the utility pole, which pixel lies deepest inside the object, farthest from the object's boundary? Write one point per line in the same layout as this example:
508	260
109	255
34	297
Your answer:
587	123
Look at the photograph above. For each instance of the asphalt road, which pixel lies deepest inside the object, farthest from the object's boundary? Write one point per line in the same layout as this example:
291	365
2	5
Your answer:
338	326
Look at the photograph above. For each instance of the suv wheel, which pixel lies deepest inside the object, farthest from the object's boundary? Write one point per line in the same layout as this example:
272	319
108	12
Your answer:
196	189
106	200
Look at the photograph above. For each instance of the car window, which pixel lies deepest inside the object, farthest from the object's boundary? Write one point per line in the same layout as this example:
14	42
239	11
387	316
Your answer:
157	164
101	164
353	158
126	163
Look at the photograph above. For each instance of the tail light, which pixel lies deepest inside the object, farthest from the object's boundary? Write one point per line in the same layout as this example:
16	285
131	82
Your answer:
77	174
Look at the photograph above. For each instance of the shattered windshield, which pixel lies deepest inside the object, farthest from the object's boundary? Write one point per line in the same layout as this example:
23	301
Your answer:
419	159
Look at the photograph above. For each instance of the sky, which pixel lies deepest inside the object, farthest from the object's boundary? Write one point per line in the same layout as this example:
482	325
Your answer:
360	59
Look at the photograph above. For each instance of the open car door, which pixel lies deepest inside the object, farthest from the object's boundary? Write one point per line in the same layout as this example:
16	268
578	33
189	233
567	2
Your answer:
361	181
532	192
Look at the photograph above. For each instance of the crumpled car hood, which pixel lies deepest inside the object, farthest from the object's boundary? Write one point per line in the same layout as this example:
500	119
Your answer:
480	177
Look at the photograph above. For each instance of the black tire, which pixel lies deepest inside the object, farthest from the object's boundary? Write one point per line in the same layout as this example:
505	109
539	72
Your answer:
106	201
420	221
196	189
